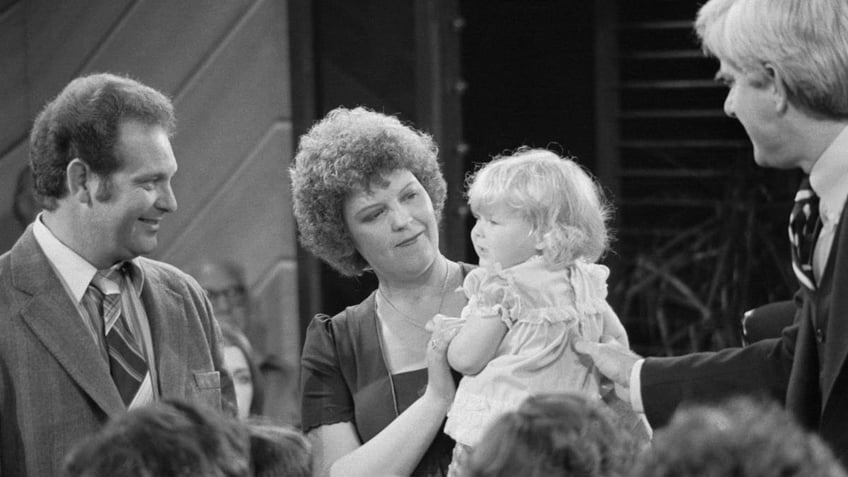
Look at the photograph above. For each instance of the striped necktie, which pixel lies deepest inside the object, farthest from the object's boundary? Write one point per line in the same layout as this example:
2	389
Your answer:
126	361
804	227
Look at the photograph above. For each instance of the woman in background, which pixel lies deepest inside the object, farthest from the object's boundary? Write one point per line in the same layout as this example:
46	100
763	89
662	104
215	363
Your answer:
240	362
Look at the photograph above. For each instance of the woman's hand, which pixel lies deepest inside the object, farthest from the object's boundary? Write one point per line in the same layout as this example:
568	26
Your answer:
399	447
439	380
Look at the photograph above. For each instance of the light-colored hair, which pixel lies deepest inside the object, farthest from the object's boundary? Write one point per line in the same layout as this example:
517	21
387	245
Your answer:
805	41
562	202
740	438
348	151
555	434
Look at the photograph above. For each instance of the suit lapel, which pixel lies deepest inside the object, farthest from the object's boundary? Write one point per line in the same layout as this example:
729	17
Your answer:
837	321
803	396
55	321
168	334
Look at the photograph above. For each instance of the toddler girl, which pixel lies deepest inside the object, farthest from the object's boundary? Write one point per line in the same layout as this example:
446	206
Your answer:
541	225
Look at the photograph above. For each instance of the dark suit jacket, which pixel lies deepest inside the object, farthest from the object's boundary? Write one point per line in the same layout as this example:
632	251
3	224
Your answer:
55	389
786	368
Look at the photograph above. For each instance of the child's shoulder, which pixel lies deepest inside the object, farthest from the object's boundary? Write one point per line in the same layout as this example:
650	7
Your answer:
483	280
594	275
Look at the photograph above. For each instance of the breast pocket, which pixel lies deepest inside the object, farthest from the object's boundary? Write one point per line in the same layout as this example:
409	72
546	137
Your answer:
207	389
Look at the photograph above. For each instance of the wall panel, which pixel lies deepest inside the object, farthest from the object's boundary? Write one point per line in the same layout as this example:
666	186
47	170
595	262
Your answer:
175	41
12	77
62	36
236	217
228	108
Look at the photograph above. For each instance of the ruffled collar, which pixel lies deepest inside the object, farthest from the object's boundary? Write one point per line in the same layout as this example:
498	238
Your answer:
533	263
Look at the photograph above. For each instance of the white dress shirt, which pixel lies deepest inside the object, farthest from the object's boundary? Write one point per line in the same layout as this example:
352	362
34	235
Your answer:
75	274
829	180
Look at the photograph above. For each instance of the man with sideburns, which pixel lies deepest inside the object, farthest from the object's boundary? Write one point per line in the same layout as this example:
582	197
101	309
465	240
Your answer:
90	328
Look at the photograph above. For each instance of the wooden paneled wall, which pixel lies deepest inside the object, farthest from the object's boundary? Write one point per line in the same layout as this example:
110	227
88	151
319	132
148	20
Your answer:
225	63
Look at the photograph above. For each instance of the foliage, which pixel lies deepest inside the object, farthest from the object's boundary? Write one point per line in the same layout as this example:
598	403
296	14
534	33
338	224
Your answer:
688	292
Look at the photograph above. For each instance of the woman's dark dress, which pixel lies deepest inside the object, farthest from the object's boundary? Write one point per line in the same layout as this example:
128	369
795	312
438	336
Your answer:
345	379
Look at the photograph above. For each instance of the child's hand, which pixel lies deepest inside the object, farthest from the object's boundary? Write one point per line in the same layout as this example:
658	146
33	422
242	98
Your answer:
439	378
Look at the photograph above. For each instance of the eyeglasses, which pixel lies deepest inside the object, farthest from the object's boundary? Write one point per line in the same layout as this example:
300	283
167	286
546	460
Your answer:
235	295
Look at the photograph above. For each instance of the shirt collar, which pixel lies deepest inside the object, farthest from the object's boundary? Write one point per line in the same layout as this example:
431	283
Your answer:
829	177
74	270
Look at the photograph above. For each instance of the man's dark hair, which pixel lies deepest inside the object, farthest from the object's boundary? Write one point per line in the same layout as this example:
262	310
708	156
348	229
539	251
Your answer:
278	451
170	438
83	122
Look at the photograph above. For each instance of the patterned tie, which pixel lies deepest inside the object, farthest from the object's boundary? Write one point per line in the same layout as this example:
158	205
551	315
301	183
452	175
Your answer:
126	362
804	227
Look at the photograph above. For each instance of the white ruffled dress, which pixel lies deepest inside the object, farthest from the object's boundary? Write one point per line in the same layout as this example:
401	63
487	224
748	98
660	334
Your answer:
543	311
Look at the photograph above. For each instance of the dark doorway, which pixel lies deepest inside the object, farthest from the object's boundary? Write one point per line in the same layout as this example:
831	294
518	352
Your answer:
529	67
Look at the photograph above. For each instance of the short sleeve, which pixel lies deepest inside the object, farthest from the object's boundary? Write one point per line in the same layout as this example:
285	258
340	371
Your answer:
491	294
325	397
590	287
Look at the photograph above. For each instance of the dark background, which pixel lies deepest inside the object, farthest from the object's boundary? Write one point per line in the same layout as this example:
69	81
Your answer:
622	86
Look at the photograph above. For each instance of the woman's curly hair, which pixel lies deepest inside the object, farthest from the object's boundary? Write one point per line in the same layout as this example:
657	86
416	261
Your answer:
351	150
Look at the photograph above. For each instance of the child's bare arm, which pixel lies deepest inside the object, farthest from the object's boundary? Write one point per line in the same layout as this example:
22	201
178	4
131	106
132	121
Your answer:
476	344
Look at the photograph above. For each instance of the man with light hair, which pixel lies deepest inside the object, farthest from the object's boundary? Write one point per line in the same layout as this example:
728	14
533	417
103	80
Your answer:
785	63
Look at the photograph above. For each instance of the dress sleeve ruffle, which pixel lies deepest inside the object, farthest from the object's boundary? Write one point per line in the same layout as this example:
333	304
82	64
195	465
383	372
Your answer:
491	293
589	281
494	293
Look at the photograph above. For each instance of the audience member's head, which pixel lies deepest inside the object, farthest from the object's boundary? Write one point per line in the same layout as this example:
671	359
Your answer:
25	206
226	287
554	435
240	362
739	438
169	438
278	451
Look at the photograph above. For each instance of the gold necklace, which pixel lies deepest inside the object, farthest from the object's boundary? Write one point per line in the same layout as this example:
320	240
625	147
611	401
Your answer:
409	318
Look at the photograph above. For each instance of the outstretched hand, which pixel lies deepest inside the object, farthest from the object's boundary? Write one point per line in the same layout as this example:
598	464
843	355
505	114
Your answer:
613	359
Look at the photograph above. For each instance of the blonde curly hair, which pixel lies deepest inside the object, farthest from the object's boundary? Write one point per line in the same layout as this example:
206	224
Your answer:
562	202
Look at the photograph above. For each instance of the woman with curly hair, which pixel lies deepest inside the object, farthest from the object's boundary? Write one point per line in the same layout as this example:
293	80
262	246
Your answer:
368	196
